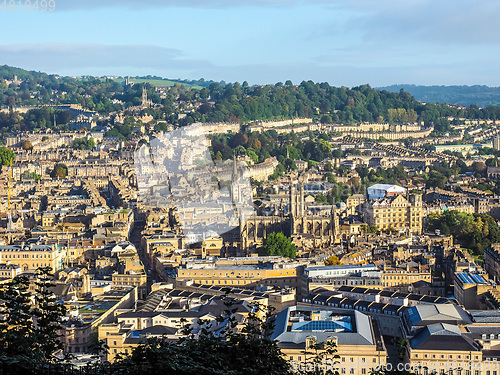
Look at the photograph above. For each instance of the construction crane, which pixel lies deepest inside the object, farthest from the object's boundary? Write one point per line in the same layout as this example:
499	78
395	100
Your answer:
9	212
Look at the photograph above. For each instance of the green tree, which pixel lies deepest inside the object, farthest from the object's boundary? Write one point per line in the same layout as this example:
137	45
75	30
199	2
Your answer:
255	144
278	172
26	145
229	351
330	177
401	345
60	171
83	143
326	119
369	228
6	155
290	165
320	198
253	156
328	167
436	179
29	336
362	171
240	139
479	167
278	244
473	231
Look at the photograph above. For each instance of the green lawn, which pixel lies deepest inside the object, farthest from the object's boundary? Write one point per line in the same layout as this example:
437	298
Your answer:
156	82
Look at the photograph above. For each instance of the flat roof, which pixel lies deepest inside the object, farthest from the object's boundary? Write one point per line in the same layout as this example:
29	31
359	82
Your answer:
471	278
340	267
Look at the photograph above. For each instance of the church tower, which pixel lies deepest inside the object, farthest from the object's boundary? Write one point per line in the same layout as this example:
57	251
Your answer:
297	204
301	198
145	102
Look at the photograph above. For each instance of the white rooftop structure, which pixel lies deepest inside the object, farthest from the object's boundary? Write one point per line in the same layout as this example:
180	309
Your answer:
340	270
379	191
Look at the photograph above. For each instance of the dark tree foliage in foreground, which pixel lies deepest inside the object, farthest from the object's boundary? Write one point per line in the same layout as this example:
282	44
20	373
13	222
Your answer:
229	352
29	342
29	338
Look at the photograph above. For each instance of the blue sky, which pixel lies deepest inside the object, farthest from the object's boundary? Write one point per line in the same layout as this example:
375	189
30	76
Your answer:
343	42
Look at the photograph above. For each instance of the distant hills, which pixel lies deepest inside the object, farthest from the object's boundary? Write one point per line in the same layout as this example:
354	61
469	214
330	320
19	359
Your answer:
483	96
165	82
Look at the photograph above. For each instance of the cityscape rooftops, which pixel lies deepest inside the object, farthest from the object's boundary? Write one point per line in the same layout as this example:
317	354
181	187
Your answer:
30	247
296	323
422	315
442	336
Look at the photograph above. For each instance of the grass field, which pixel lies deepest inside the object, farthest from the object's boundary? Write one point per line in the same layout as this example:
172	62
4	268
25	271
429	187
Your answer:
156	82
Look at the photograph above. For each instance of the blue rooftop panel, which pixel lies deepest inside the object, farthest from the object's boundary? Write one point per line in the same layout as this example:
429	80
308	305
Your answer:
322	325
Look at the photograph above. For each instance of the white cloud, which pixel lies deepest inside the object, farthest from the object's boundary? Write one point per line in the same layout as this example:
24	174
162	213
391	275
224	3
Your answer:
349	67
57	57
445	22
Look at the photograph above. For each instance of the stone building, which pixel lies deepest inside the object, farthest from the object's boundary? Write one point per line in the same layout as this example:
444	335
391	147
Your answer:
324	227
395	212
